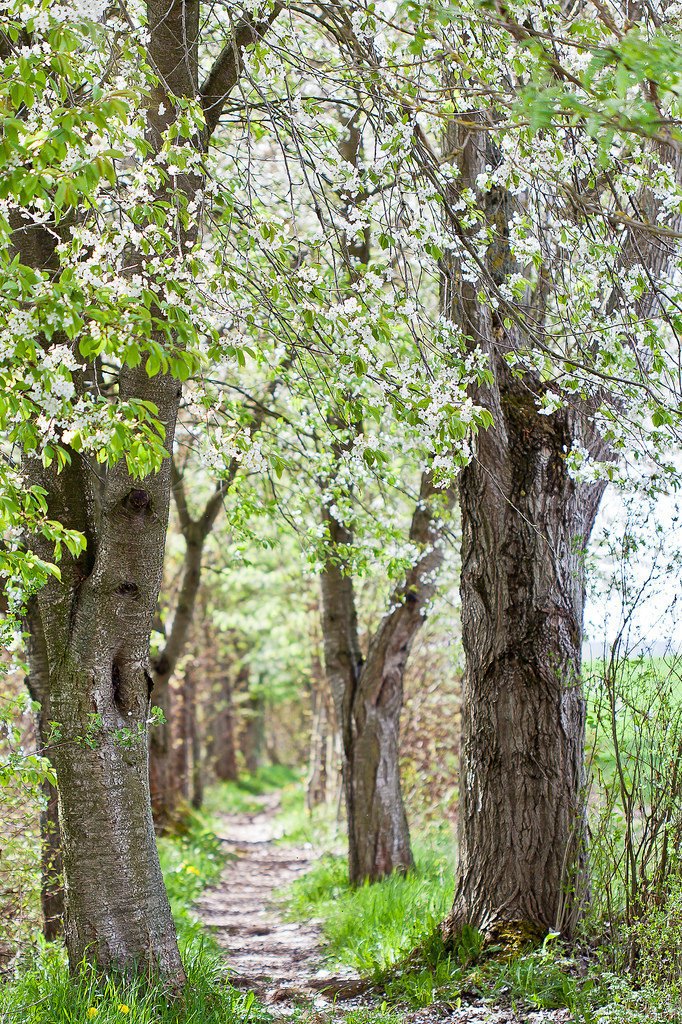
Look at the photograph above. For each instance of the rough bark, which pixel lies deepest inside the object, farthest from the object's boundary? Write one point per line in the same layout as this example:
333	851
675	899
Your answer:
525	524
368	692
525	528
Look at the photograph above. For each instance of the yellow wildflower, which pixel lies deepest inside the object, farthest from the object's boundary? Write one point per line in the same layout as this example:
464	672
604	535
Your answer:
92	1012
191	870
122	1008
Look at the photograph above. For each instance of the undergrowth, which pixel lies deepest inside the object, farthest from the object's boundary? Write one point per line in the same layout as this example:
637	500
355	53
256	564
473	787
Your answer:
389	933
41	990
372	927
245	794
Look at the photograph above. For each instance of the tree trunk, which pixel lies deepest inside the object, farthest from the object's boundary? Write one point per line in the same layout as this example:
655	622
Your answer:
368	695
223	743
183	737
161	786
162	759
253	733
197	797
378	833
92	628
316	783
117	909
51	867
525	524
334	758
118	913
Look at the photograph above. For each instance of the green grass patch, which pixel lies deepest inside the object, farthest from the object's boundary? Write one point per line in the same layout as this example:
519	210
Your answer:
389	932
244	796
45	993
42	991
319	827
373	927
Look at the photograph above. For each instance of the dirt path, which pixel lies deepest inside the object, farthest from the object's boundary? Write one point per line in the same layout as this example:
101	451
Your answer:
283	962
280	960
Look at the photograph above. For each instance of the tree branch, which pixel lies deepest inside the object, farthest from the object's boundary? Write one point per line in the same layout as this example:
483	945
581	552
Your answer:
178	487
227	68
390	645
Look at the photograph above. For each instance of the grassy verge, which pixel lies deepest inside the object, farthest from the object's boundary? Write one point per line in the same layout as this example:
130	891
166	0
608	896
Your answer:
389	933
245	795
373	927
43	992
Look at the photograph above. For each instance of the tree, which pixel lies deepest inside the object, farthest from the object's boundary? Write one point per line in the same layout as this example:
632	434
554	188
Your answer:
195	530
527	514
558	245
101	343
368	690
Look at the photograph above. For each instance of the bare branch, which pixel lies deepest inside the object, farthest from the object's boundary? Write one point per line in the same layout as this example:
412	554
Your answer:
225	73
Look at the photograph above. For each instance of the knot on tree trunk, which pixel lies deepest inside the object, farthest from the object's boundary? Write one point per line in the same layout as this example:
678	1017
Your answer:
137	500
128	589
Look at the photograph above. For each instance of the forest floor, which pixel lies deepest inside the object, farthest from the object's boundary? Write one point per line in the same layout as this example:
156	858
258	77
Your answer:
283	962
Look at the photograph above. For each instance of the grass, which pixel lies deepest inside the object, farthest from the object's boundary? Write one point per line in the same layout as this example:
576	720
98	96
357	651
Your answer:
43	992
373	927
299	826
244	796
389	933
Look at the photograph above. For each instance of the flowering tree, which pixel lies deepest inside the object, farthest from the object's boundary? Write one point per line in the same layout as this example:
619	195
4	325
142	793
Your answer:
104	163
333	362
559	186
516	317
568	284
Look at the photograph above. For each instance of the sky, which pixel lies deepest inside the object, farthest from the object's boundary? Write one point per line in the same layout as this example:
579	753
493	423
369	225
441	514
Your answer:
640	595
